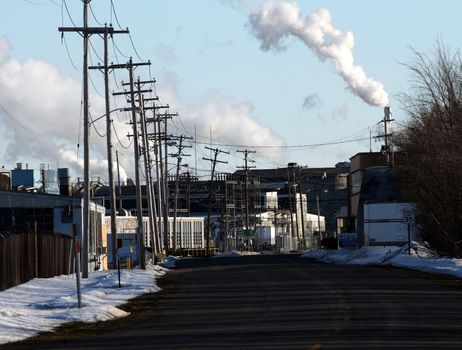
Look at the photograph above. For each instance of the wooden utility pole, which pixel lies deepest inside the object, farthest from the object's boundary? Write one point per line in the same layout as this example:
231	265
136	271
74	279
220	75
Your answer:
110	163
145	152
119	185
166	138
292	230
214	161
139	205
147	166
156	137
155	213
246	167
86	32
178	156
145	148
299	185
387	149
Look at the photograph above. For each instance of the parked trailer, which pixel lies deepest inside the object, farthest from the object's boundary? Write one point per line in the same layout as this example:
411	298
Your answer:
388	223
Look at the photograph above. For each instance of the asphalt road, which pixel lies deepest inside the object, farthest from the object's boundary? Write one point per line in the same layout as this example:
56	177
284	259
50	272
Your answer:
284	302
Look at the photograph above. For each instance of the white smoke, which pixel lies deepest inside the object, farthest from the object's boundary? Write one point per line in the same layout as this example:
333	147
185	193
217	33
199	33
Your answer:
41	118
275	21
97	166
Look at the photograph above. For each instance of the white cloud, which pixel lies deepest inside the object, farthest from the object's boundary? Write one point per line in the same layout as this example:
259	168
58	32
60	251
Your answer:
232	122
40	108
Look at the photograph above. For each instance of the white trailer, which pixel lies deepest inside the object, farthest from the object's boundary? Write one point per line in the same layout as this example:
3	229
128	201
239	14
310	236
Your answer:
388	223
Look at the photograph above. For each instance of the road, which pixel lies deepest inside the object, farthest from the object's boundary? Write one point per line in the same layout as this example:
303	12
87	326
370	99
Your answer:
285	302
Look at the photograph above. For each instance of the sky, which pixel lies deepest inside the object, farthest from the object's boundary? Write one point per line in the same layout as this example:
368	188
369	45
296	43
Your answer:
299	81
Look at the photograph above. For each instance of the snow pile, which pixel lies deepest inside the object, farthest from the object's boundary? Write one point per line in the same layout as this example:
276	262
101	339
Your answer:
43	304
422	258
234	253
170	262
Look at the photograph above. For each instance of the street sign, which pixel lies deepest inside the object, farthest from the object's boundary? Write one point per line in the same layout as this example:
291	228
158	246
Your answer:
347	240
408	216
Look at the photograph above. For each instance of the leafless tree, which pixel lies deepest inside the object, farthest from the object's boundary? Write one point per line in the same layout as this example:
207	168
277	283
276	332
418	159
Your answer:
431	143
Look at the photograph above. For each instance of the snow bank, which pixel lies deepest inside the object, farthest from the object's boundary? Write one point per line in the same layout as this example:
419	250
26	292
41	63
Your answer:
170	262
41	305
422	258
234	253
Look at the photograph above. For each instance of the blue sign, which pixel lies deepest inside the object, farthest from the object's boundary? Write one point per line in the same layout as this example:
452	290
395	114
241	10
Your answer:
347	240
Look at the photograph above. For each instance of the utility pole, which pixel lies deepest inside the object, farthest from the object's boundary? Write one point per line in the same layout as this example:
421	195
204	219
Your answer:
387	149
161	186
147	166
178	156
145	147
118	180
156	137
86	32
139	205
319	219
110	165
299	185
246	167
156	213
289	184
157	155
214	161
166	116
294	184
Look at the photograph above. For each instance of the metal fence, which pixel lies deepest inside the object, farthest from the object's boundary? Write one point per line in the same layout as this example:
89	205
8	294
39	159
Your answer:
27	255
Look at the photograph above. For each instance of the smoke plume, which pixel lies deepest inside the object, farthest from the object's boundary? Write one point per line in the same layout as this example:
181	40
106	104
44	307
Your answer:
275	21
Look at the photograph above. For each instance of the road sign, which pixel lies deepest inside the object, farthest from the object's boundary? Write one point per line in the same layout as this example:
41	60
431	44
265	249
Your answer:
347	240
408	216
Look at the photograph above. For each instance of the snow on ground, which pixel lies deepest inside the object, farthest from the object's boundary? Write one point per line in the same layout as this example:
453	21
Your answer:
422	258
43	304
170	262
234	253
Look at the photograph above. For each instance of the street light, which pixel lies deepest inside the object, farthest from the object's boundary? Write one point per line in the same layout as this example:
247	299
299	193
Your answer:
122	109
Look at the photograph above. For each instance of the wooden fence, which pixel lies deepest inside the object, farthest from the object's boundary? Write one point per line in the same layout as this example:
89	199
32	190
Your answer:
27	255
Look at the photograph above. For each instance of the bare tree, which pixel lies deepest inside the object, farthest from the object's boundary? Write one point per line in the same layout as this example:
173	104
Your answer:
431	143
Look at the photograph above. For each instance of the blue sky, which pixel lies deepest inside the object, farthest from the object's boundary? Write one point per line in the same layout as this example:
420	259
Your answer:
210	68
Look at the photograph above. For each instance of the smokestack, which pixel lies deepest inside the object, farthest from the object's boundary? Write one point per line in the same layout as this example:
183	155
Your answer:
64	181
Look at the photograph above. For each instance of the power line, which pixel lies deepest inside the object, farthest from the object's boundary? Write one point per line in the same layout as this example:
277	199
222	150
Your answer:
94	50
94	126
94	17
68	13
134	48
68	53
118	139
21	125
117	48
115	15
285	146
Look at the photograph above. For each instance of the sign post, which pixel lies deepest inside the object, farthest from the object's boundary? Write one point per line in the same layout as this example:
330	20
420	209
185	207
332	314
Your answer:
408	218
